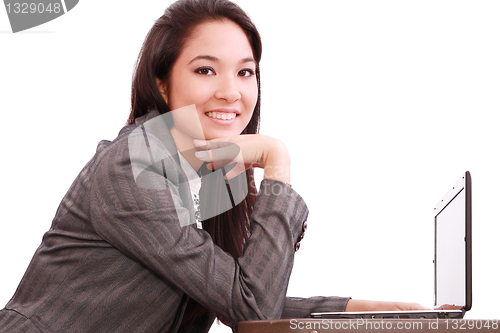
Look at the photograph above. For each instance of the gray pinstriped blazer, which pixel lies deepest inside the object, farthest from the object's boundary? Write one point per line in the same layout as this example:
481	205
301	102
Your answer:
116	258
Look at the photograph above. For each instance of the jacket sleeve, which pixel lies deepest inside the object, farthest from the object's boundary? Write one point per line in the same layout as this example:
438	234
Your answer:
148	225
296	307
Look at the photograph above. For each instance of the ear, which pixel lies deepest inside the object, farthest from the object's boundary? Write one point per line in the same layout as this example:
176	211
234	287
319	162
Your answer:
162	87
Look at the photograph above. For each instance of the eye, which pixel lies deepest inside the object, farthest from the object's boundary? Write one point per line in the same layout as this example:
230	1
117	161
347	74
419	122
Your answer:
205	71
246	72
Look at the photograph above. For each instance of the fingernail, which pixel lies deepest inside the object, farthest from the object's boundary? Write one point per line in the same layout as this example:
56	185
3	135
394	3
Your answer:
198	142
202	155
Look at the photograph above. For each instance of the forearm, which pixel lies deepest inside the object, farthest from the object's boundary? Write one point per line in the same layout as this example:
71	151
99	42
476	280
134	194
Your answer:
152	232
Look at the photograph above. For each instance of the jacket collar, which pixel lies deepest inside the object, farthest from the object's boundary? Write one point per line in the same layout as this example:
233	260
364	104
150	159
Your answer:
148	116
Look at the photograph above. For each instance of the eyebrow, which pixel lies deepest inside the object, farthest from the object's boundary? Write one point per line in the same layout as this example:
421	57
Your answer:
212	58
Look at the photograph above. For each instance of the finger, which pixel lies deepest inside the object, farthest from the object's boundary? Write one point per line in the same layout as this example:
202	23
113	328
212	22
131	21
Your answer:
225	154
200	143
449	307
221	156
213	145
235	171
205	145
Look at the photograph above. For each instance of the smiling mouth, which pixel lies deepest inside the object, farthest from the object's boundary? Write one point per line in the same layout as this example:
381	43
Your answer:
221	115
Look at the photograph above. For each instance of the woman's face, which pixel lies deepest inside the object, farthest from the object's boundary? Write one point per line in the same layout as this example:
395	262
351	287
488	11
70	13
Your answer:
216	72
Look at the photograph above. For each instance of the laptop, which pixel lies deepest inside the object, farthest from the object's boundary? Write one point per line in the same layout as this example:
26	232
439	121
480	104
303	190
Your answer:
452	261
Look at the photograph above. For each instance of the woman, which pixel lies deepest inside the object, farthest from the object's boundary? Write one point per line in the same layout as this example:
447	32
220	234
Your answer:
125	252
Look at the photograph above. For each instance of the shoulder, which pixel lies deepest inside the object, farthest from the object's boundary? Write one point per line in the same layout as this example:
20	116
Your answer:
150	130
144	153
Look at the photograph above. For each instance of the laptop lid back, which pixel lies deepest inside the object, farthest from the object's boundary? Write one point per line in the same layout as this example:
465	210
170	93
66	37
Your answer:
453	250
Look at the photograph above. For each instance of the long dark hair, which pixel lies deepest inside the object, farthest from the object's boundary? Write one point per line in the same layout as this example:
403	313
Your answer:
159	52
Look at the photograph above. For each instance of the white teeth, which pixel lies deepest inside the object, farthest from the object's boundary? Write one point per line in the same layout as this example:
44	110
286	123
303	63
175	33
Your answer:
221	115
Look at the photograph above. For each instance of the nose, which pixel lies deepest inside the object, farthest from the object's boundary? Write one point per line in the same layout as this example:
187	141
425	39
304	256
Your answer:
227	90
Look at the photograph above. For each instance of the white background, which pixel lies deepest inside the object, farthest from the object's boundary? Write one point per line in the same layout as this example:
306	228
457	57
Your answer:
383	105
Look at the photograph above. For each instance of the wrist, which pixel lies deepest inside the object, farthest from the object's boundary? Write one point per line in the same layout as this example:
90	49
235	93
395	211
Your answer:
276	161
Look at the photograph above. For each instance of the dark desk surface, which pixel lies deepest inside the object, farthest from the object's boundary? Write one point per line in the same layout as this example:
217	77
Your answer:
369	325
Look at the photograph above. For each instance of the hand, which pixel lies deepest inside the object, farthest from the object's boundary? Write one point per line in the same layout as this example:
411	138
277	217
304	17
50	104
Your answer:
354	305
250	150
449	307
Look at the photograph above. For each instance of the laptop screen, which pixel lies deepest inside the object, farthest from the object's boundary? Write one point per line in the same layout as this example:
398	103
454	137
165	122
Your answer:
452	250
